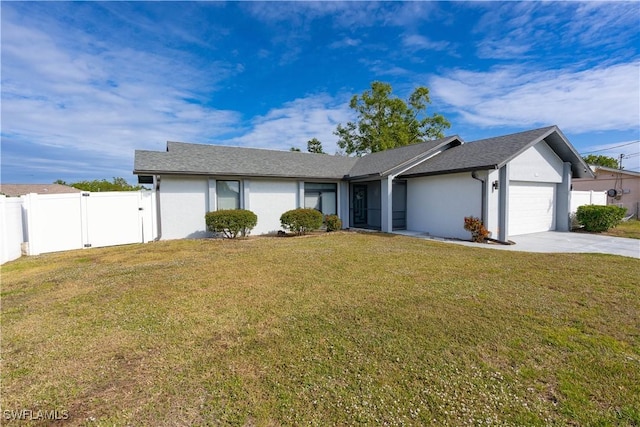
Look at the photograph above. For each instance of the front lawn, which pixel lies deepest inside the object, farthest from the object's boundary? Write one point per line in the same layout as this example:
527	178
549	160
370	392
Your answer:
335	329
629	229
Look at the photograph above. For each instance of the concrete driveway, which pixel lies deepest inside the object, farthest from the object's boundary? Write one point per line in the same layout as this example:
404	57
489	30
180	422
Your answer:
558	242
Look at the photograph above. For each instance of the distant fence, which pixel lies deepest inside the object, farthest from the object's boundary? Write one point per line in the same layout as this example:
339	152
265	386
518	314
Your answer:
579	198
41	223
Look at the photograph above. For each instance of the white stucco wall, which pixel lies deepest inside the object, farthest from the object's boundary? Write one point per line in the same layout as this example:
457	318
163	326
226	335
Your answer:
269	199
183	204
537	164
437	205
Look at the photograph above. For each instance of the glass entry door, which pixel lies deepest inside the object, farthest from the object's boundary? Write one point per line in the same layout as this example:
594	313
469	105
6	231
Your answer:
359	205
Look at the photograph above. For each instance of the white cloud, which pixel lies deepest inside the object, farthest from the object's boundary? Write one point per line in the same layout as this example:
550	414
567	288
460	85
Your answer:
522	29
345	14
347	42
103	99
594	22
597	99
418	42
296	122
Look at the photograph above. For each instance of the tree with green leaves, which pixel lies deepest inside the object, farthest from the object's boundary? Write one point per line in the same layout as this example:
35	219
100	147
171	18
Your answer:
294	149
385	121
600	160
315	146
117	184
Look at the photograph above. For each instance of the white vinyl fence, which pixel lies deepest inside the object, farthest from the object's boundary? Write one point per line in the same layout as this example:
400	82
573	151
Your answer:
11	231
580	198
59	222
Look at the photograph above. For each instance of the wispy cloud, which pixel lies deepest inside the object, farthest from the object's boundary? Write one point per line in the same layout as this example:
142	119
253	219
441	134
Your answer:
579	101
346	14
605	23
84	83
296	122
103	98
418	42
526	30
346	42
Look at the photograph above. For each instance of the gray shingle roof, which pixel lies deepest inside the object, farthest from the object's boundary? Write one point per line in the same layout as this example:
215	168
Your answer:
384	162
493	153
183	158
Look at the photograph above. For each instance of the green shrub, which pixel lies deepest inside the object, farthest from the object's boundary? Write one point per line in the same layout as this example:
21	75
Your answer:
301	221
478	232
599	218
333	222
231	222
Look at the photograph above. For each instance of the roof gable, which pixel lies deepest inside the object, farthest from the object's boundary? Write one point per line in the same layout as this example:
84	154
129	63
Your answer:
386	162
493	153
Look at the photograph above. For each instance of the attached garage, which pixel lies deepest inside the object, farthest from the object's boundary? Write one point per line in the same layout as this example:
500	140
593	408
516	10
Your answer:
532	207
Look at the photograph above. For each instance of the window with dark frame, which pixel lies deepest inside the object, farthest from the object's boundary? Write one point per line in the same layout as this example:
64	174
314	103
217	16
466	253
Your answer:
321	196
228	195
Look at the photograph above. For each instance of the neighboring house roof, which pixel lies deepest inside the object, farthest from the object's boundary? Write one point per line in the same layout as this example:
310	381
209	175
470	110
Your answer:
385	162
493	153
596	169
14	190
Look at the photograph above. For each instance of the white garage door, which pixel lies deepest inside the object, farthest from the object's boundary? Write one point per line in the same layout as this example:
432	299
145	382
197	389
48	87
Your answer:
532	207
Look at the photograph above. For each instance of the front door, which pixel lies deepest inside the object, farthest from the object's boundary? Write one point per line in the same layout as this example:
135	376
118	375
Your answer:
359	205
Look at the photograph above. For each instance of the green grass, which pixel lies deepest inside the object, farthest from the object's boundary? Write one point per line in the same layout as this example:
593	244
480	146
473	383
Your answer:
332	329
629	229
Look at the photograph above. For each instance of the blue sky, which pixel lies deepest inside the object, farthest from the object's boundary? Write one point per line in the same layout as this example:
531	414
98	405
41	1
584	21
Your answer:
85	84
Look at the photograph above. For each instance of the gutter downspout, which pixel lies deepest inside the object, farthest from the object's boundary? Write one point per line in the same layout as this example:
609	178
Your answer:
474	175
156	184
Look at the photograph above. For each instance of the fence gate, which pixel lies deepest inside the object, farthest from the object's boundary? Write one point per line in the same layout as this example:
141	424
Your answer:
58	222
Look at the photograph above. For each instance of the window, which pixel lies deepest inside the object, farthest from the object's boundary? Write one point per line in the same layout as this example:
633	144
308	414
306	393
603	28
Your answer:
228	194
321	196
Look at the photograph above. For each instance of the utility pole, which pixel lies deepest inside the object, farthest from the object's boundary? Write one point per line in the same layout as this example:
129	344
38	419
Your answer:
620	161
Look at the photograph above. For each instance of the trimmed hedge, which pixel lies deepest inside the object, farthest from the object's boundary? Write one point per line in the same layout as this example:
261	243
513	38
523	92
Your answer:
597	218
301	221
333	222
231	222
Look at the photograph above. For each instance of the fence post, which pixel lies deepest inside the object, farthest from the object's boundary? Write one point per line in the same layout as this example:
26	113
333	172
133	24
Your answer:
31	214
84	218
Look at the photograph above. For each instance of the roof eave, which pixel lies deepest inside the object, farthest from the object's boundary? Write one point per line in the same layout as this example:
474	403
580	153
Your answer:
450	171
566	151
234	174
